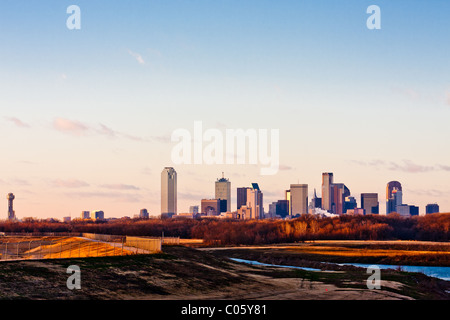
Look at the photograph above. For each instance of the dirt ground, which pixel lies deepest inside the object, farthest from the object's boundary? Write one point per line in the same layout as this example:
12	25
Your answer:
185	273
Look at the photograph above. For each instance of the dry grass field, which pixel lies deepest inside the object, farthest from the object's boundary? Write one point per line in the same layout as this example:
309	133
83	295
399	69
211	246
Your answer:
58	248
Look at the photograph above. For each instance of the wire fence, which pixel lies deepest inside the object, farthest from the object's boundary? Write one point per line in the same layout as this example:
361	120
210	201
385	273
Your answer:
73	247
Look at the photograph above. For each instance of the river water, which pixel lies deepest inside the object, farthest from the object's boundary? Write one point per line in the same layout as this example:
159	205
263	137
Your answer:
436	272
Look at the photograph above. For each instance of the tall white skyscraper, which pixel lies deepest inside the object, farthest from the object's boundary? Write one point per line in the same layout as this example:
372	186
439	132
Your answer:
168	191
299	199
327	181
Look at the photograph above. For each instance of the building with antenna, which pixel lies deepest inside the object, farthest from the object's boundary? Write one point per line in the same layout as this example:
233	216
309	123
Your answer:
11	213
223	191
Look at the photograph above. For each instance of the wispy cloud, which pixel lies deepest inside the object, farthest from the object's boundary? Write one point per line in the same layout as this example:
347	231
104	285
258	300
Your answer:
77	128
19	182
113	196
284	167
106	131
70	126
19	123
404	166
191	196
137	56
429	192
71	183
409	166
120	187
444	167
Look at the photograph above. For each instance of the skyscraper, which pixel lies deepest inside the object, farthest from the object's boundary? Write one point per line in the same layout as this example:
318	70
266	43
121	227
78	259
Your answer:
241	197
251	201
339	192
282	208
432	208
143	214
223	191
369	202
168	191
393	196
255	203
288	198
210	207
299	199
327	181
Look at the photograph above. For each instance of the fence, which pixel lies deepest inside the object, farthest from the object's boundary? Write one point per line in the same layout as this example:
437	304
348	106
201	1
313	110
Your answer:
171	240
152	245
40	234
103	237
58	248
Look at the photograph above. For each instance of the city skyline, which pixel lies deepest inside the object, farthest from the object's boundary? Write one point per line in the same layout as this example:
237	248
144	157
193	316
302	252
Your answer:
87	115
297	196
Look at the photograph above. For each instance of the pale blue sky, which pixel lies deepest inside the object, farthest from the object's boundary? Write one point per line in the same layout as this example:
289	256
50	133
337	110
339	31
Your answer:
86	114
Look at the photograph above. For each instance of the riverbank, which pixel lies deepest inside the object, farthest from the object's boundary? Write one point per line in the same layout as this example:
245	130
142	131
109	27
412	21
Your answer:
419	253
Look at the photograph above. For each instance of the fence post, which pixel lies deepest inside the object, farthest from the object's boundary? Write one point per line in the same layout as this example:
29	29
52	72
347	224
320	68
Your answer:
122	246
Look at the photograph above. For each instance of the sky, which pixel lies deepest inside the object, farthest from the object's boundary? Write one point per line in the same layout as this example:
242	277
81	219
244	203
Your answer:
86	116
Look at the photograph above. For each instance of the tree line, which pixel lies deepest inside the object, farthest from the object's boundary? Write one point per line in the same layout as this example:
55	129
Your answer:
433	227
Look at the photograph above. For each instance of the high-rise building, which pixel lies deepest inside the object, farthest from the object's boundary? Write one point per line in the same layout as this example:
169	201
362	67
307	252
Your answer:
85	214
241	197
282	208
97	215
210	207
223	206
255	202
339	192
327	181
407	210
299	199
193	209
369	202
143	214
349	204
393	197
11	212
223	192
252	199
272	209
288	198
316	201
168	192
432	208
